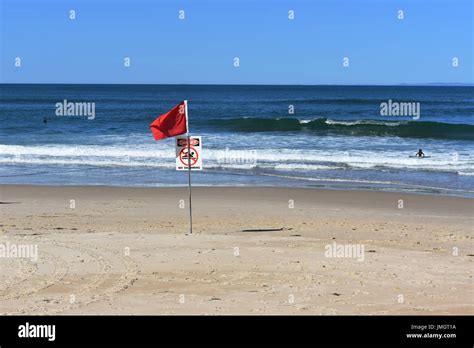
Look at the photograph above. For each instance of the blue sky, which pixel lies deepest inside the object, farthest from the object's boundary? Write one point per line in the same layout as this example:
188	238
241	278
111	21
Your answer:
272	49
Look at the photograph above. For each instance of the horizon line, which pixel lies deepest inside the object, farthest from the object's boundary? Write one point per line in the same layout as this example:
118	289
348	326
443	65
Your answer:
431	84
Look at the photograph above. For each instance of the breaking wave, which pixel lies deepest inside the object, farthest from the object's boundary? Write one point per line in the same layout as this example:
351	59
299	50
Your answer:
404	129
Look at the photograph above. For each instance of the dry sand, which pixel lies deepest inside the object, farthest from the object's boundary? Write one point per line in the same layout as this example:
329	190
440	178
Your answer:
124	251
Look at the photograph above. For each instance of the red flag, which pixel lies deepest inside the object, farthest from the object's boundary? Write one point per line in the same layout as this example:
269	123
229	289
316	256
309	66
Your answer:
171	124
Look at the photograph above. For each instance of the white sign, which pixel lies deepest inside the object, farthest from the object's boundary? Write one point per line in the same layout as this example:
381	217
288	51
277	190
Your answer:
182	153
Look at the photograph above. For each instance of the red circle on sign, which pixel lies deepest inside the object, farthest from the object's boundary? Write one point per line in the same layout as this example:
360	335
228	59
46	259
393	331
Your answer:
193	159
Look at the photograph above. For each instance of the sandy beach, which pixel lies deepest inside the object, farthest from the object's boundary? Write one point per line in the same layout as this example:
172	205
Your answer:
106	250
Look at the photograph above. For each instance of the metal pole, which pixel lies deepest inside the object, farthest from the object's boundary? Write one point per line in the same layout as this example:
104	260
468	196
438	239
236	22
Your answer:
188	139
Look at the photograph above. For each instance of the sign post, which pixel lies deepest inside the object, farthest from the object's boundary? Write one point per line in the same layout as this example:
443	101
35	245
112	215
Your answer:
188	157
189	169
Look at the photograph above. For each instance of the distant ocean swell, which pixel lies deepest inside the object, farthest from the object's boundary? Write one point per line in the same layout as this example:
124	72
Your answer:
404	129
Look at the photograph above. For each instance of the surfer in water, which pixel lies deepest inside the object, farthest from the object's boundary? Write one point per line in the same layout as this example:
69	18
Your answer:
420	153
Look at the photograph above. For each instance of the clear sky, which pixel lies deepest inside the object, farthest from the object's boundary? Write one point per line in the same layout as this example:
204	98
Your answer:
272	49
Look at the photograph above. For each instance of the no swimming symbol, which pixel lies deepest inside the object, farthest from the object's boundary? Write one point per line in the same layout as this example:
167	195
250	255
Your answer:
182	153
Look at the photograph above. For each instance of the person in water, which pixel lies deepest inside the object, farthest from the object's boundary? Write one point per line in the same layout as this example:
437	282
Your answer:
420	153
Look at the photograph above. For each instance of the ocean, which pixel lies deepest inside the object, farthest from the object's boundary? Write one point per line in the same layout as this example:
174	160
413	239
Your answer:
292	136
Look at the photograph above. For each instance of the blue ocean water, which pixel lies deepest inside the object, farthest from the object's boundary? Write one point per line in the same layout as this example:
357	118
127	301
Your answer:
298	136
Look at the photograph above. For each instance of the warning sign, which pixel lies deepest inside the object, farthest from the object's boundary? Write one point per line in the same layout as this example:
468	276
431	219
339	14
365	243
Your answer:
195	153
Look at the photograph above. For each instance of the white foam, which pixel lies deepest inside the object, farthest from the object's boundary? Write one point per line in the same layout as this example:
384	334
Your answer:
368	122
279	159
87	150
87	162
298	166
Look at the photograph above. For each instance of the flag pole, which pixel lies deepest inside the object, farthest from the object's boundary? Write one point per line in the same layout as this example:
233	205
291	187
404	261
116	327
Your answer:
188	142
